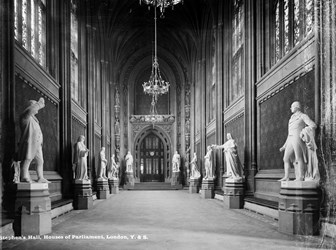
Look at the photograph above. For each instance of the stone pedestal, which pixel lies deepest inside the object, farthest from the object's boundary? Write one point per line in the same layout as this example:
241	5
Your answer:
208	189
233	193
193	186
129	181
83	194
175	181
114	185
103	191
32	209
299	208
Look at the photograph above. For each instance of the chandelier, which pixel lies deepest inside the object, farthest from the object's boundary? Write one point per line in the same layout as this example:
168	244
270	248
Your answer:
162	4
156	85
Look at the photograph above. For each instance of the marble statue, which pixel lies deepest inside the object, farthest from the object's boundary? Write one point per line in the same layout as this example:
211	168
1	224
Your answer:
195	174
129	162
176	162
103	163
208	164
30	146
113	169
80	159
295	147
234	168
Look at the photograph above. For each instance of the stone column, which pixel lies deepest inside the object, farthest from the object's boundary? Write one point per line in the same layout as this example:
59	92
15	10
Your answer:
83	194
208	189
32	209
233	193
103	191
299	208
194	186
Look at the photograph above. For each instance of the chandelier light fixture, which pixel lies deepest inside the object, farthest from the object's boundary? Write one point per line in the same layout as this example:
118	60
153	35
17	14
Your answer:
156	85
162	4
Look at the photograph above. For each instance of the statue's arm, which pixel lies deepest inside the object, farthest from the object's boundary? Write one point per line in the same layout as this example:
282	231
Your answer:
308	121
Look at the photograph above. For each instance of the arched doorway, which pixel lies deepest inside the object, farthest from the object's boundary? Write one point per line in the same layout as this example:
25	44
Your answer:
151	159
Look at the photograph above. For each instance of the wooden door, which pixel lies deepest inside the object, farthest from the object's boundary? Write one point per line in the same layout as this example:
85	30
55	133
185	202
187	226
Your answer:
151	159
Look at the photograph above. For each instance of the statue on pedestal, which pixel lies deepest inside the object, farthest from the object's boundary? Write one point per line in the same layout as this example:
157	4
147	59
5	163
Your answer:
300	147
30	146
129	162
103	163
113	173
176	162
80	159
208	164
195	174
234	168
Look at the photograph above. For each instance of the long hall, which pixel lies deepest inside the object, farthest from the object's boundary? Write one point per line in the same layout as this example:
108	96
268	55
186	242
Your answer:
211	122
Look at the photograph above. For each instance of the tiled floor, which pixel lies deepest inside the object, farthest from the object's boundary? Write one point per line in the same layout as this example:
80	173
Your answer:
164	220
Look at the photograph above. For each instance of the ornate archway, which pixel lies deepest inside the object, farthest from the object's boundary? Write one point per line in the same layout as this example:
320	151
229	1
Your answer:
152	153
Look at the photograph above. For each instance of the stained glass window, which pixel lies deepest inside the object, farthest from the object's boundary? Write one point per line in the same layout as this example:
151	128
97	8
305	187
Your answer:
236	87
288	32
30	27
74	51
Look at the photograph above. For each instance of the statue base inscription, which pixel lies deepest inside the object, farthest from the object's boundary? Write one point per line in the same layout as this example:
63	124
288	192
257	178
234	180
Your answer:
193	186
299	208
32	209
114	185
233	194
83	194
208	189
103	191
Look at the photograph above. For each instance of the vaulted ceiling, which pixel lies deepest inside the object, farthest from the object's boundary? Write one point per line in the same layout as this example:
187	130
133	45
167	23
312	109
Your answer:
126	31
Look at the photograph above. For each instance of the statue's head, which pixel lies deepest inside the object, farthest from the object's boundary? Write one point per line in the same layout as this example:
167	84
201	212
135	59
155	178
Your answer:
103	148
295	106
228	136
81	138
30	103
209	148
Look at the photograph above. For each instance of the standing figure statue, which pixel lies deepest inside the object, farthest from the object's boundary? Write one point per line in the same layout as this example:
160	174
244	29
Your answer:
294	147
129	162
234	168
195	174
208	164
176	162
114	168
80	159
103	163
30	146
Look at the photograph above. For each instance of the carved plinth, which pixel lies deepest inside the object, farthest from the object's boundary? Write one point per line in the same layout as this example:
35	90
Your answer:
114	185
193	186
233	194
103	190
208	189
299	208
129	180
32	209
83	194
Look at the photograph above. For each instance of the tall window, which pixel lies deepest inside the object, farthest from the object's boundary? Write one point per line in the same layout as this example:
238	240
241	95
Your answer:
293	20
74	51
236	87
30	27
